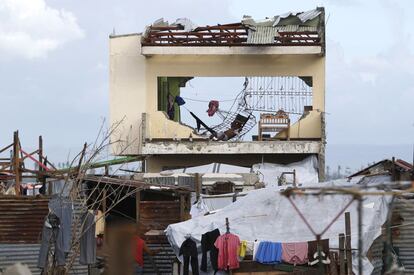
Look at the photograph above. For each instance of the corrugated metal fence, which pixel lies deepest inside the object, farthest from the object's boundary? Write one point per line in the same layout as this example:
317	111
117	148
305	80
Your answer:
405	242
22	218
21	222
27	254
376	250
163	260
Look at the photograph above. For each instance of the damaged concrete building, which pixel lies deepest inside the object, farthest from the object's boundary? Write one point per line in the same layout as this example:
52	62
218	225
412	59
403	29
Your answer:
282	61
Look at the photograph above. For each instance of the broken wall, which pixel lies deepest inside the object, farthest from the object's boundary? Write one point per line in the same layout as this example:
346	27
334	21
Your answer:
134	83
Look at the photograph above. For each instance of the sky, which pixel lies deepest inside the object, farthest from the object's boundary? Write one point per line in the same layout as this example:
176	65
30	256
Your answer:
54	68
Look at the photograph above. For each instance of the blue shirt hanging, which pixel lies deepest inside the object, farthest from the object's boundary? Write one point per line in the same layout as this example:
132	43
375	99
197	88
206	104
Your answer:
269	253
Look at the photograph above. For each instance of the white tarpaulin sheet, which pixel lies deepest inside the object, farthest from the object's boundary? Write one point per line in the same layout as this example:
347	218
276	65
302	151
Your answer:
205	205
306	171
265	214
212	203
214	168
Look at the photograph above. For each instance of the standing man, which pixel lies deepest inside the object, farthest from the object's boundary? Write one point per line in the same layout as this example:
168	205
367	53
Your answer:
139	248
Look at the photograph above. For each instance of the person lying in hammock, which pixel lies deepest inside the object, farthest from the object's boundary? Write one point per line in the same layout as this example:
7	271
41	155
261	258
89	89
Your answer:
235	128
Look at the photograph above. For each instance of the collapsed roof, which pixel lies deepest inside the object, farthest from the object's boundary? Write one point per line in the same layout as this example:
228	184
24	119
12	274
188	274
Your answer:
289	29
385	167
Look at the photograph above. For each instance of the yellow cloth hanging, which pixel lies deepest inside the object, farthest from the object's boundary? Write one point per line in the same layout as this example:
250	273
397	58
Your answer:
243	246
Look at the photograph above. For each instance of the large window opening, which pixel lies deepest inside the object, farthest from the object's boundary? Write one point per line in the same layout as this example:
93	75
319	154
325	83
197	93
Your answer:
236	108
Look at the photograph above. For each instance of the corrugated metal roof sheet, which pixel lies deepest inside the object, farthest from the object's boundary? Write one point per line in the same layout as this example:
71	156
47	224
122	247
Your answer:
22	218
296	28
261	35
266	35
28	254
308	15
404	165
25	215
163	260
380	166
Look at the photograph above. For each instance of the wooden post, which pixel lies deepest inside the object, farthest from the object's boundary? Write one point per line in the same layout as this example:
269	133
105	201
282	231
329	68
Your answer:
360	242
197	183
341	254
40	153
227	225
321	267
234	197
333	266
137	204
50	184
41	178
288	130
104	215
16	162
294	177
348	247
78	169
393	175
182	207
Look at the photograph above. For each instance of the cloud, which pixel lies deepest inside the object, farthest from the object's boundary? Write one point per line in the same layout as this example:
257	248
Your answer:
370	98
31	29
345	3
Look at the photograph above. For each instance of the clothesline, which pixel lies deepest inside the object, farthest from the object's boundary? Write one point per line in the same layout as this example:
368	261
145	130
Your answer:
227	250
207	101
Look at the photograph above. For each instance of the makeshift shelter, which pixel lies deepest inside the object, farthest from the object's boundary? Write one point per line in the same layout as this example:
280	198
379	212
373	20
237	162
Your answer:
273	218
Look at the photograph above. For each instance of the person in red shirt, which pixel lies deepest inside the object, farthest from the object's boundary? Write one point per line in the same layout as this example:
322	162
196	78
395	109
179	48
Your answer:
139	248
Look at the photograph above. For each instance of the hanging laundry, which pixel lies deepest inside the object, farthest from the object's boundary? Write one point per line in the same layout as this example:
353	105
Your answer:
207	245
246	249
51	237
170	107
228	245
56	231
189	251
87	253
295	253
213	106
63	208
179	100
243	248
313	252
249	248
256	244
269	253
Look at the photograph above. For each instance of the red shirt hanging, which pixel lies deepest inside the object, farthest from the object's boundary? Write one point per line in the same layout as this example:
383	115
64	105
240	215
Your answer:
213	106
227	244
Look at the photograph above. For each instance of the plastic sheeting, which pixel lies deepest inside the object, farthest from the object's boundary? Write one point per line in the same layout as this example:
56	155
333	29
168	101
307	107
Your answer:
274	219
212	203
214	168
306	171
